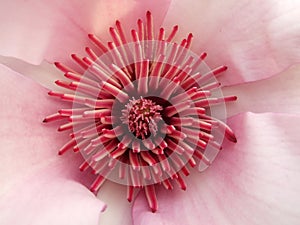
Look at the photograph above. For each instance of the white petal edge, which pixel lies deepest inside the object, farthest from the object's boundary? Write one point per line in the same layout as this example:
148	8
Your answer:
118	210
45	73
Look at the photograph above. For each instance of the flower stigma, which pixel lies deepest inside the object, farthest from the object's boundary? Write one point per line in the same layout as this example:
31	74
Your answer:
141	117
142	112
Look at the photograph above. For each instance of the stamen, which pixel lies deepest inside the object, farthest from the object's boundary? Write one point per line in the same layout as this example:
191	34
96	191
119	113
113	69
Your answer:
53	117
79	61
172	34
63	68
98	43
130	191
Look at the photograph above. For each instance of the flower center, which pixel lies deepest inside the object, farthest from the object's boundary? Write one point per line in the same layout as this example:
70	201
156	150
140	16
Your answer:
142	117
142	142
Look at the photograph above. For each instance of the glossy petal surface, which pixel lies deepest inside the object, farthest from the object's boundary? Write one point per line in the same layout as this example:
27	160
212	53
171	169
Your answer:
37	30
36	184
254	39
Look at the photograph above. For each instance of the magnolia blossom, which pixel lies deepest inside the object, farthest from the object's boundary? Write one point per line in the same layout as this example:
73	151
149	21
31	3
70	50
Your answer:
253	181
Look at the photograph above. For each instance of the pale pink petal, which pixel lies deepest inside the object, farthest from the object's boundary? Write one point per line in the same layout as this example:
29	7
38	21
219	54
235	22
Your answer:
118	210
256	181
36	184
254	39
46	198
37	30
25	140
276	94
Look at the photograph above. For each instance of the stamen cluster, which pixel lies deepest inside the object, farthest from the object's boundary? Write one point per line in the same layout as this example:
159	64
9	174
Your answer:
142	112
142	116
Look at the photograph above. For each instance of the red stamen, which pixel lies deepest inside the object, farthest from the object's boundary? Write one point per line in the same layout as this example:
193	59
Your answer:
79	61
91	53
149	28
67	146
98	43
140	29
130	191
121	32
151	197
63	68
172	34
53	117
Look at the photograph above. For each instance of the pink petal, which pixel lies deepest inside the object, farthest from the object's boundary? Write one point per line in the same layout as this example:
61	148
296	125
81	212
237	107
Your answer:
37	30
254	39
276	94
24	104
36	184
46	198
255	181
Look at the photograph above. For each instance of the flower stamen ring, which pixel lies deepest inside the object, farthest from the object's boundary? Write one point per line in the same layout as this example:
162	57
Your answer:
143	112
